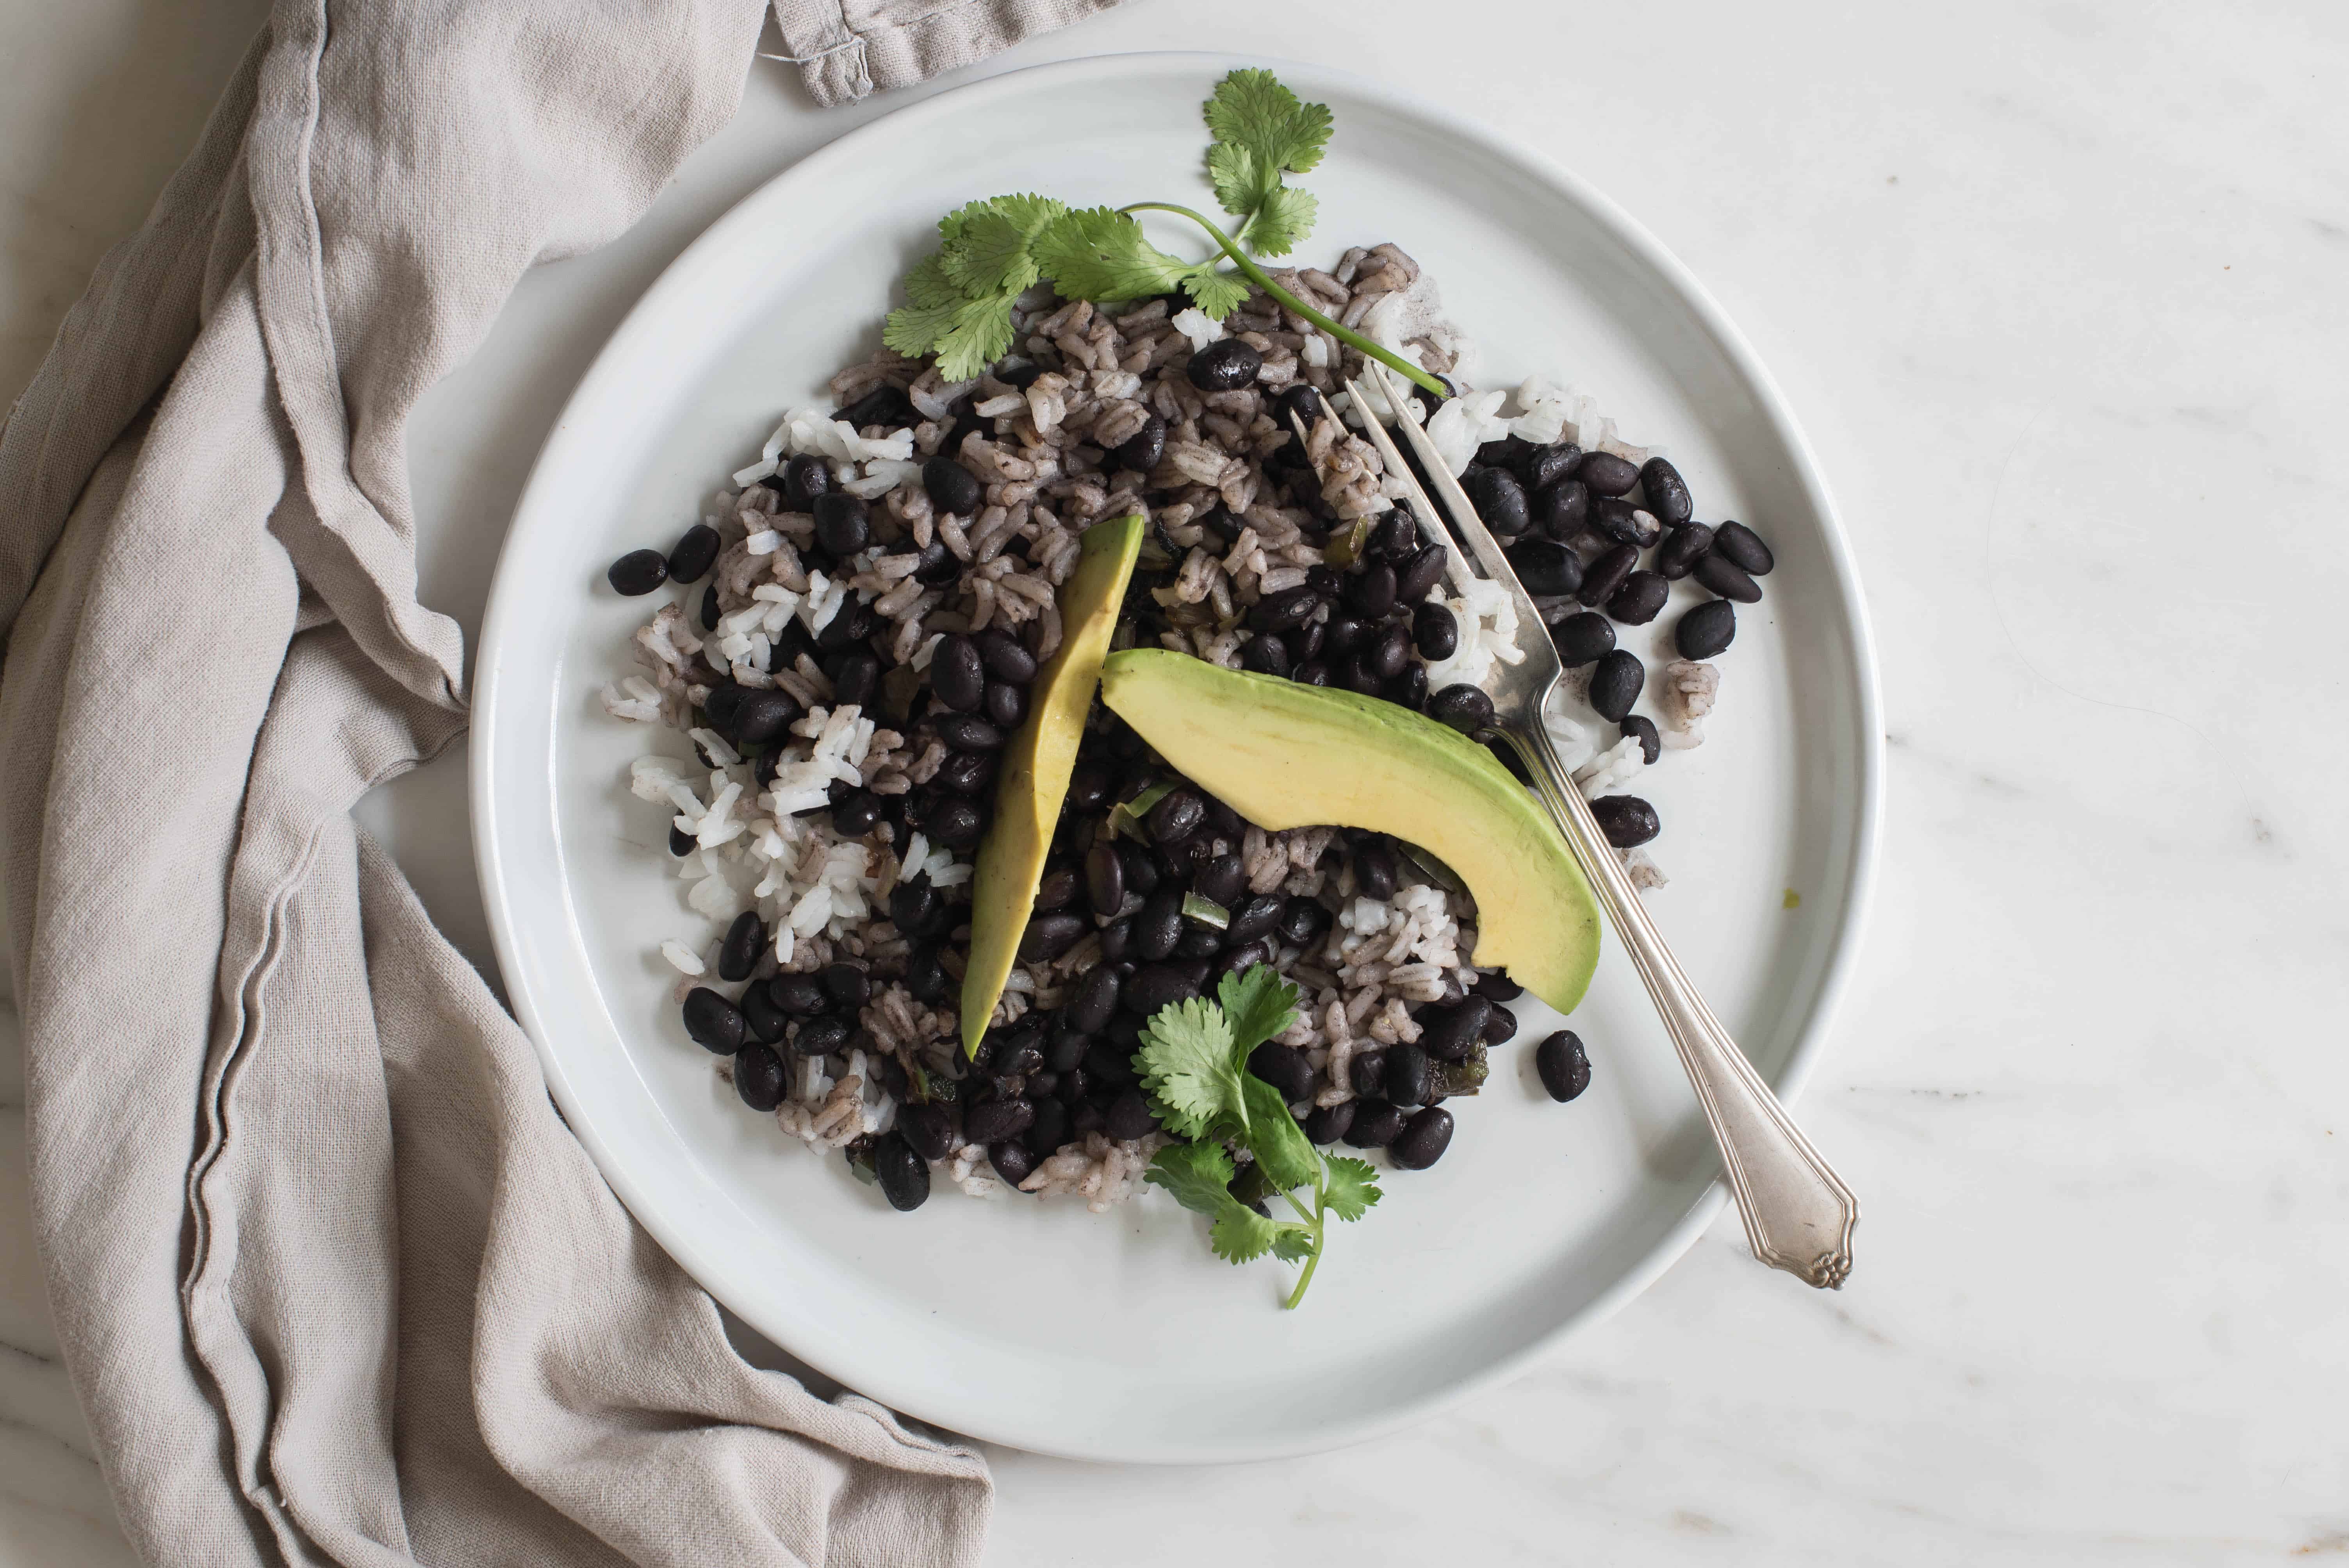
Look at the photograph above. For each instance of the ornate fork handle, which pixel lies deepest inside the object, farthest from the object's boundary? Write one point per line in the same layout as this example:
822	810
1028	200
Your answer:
1798	1213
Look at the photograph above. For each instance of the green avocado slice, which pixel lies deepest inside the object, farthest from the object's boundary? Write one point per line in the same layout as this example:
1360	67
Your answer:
1288	756
1035	769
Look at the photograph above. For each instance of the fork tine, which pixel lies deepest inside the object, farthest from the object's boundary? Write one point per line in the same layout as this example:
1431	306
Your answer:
1454	565
1455	499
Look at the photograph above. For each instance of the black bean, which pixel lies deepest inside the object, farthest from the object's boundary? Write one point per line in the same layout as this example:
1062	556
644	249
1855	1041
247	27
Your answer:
1705	630
1198	942
1142	450
956	674
805	478
1607	474
1058	889
843	526
1302	400
1049	935
925	975
930	1128
710	608
1725	577
1223	366
992	1121
966	732
1104	879
822	1037
1616	684
1095	1004
1396	538
1422	1141
1496	986
1049	1128
852	626
1683	548
1357	676
1642	728
858	814
1091	788
1279	611
762	1017
1303	642
1141	873
1129	1117
1372	592
1410	1075
1500	500
1451	1033
1465	708
1284	1068
1376	1124
855	677
1260	916
913	904
1154	986
1626	820
1159	926
1500	1027
1312	672
1743	549
715	1023
1366	1072
1420	575
955	823
1302	920
738	953
1508	452
1408	689
1266	655
1580	638
965	772
799	995
694	552
1011	1161
637	572
952	486
1329	1123
1434	632
1069	1046
1641	596
1004	705
1624	523
1176	816
1608	573
1006	659
1563	510
936	566
1564	1065
1429	400
1324	581
1667	493
761	716
1345	636
885	405
848	985
1222	879
759	1077
1375	870
1543	466
1385	658
1117	942
1546	566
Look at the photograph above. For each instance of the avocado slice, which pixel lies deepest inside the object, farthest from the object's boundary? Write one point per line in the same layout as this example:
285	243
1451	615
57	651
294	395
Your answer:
1036	768
1288	756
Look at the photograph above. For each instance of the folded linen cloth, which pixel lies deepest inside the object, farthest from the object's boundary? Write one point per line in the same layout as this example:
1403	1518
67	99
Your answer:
335	1283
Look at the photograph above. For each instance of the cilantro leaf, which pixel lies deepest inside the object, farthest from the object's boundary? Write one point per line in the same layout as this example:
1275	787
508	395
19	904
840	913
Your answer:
1258	1004
927	286
1262	131
1187	1068
1199	1175
1293	1242
1216	294
1241	1235
1098	253
1348	1186
959	296
988	252
1280	1145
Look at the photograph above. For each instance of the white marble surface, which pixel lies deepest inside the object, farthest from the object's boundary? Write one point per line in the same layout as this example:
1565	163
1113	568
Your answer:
2062	292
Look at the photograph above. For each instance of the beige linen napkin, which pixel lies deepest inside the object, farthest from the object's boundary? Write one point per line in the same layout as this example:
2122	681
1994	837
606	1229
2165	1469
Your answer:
335	1283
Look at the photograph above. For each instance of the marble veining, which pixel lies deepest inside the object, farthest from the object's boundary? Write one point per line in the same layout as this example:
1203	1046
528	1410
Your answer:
2057	289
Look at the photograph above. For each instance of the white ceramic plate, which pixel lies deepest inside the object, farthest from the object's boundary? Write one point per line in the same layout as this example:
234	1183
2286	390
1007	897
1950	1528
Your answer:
1119	1336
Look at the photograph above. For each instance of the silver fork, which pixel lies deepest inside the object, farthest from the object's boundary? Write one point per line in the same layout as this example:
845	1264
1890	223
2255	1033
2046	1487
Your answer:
1798	1213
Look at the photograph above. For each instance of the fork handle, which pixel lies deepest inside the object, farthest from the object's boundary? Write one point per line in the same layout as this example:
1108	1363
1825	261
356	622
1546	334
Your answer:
1798	1213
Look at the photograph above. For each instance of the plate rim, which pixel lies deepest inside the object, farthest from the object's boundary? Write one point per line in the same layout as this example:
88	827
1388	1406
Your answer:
1858	892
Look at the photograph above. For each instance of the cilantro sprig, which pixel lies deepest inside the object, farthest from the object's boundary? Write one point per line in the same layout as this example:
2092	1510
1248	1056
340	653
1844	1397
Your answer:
1194	1067
958	299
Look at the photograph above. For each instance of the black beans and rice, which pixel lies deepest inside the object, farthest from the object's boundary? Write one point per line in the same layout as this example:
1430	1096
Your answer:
864	613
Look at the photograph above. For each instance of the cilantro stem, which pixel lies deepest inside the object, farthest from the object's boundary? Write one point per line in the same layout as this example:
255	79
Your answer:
1305	1276
1346	334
